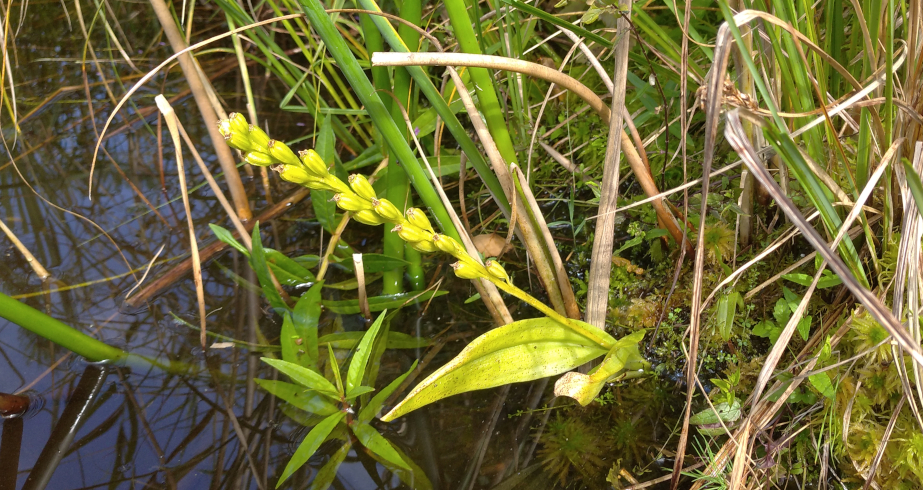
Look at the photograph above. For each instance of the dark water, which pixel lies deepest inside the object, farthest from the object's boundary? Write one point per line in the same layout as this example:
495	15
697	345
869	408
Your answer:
102	427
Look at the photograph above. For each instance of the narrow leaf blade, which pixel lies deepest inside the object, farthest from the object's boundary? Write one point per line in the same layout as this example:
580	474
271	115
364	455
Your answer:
361	356
298	397
303	376
310	444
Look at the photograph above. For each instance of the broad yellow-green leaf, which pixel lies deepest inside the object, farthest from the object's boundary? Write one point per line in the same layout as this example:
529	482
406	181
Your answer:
520	351
309	445
307	400
585	387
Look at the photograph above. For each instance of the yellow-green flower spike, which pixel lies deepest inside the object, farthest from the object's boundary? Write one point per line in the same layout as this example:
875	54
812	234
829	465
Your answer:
351	202
368	217
258	159
313	162
388	211
281	152
496	270
467	271
424	246
259	140
410	233
362	186
418	218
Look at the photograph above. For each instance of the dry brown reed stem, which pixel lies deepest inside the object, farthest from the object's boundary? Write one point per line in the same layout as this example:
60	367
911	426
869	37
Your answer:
180	270
559	290
488	291
600	268
539	71
209	114
40	271
359	269
170	118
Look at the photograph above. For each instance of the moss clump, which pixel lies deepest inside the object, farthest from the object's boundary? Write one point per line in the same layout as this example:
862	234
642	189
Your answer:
572	452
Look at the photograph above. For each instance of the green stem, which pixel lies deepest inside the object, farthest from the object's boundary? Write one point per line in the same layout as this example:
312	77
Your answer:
396	183
398	186
587	331
445	112
75	341
347	63
483	82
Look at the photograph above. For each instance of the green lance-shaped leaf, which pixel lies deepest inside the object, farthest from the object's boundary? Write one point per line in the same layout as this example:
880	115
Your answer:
260	267
310	444
520	351
304	376
288	340
395	340
306	317
374	405
298	397
712	422
328	472
361	356
585	387
370	438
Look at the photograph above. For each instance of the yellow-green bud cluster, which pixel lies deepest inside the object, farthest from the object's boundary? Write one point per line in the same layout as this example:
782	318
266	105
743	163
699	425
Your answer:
358	197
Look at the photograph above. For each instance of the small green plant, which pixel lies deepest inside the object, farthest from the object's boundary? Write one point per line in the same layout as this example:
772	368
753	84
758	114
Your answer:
336	404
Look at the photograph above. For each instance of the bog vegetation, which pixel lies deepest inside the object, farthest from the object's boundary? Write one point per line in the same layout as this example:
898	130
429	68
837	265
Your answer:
695	229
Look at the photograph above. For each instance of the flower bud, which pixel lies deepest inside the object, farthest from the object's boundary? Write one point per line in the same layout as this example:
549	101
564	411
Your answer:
281	152
235	138
332	183
238	123
362	186
424	246
410	233
496	270
313	162
351	202
388	211
258	159
259	140
467	271
418	218
448	245
368	217
296	175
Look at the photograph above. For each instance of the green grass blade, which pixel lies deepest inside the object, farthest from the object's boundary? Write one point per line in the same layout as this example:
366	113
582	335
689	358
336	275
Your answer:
347	63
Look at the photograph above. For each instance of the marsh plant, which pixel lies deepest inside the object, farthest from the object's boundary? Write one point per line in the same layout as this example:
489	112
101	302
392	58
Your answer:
520	351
